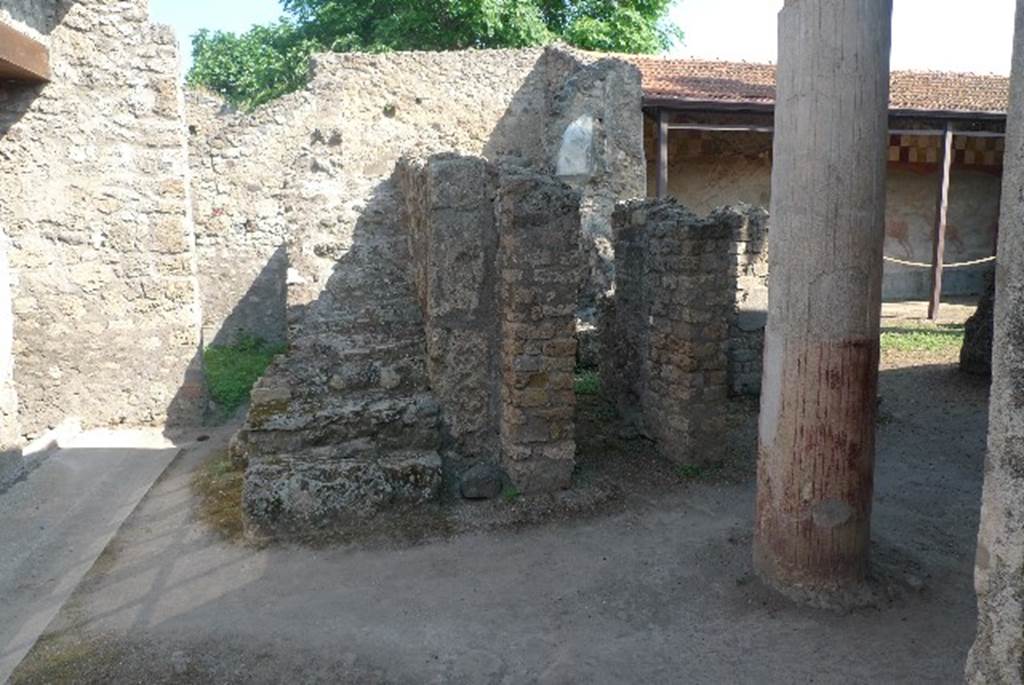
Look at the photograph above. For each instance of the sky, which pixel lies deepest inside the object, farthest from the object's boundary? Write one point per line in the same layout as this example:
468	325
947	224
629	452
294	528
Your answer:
940	35
188	16
924	37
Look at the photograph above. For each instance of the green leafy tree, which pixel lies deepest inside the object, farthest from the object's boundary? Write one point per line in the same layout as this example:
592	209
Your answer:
269	61
255	67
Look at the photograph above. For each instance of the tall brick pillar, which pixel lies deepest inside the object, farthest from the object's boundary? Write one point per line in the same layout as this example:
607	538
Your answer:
539	271
816	454
998	652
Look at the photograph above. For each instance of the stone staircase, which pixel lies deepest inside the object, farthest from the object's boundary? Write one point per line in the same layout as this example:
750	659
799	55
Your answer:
344	425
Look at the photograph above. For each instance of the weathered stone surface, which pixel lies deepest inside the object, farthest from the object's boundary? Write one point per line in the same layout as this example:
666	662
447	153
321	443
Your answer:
494	252
290	492
749	249
482	481
35	18
354	296
588	344
11	463
240	167
597	147
997	655
93	198
666	333
538	221
448	213
976	353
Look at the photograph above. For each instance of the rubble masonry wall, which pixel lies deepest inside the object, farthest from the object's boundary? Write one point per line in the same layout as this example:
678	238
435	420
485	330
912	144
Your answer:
666	333
93	169
495	253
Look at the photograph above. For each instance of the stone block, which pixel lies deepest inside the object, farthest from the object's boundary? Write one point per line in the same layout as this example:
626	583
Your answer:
292	492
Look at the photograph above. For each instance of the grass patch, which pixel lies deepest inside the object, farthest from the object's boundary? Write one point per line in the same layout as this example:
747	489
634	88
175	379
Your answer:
219	486
587	383
923	338
232	370
511	494
690	472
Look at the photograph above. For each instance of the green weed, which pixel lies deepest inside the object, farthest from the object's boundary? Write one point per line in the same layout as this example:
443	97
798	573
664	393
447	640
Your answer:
232	370
587	383
511	494
689	471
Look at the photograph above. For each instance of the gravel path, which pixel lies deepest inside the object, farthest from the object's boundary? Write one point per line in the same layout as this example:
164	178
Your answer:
657	589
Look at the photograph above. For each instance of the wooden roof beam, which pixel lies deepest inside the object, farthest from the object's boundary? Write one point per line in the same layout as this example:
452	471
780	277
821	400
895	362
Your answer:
22	58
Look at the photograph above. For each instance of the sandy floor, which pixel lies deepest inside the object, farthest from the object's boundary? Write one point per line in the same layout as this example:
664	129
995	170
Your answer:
657	588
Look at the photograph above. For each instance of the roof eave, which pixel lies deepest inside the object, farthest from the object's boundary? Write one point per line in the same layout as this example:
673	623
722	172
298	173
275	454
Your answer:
683	104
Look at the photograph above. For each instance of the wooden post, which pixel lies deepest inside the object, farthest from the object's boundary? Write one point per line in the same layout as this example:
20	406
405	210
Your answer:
820	385
662	154
22	58
941	215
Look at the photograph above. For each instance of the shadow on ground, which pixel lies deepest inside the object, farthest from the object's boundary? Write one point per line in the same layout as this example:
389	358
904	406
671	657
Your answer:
656	589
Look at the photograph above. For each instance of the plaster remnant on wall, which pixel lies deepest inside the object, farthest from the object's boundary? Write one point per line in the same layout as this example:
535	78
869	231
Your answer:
575	156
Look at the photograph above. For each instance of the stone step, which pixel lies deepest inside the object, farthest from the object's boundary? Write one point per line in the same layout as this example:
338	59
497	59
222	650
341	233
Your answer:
365	313
384	419
296	490
360	346
398	374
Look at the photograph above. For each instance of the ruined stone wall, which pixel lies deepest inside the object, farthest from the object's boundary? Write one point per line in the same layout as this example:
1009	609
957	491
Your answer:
665	339
351	291
596	144
273	176
93	173
749	251
538	226
449	216
495	256
240	165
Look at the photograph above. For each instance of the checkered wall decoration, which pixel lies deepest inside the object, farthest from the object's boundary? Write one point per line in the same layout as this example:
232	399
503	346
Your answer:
977	152
905	149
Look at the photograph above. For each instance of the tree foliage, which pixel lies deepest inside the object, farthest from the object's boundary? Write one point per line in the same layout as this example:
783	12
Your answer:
268	61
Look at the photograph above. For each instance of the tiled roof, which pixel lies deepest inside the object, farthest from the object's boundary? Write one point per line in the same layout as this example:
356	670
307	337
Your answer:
749	83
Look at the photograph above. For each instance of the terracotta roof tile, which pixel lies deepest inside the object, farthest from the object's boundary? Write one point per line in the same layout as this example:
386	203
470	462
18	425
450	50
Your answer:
750	83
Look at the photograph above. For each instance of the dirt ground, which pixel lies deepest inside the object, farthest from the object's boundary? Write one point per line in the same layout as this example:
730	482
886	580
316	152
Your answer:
642	575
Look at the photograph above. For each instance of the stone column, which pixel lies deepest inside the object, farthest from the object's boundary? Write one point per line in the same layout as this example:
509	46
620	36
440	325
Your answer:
816	453
998	652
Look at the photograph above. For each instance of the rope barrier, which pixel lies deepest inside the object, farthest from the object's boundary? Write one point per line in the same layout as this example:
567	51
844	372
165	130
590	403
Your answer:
958	265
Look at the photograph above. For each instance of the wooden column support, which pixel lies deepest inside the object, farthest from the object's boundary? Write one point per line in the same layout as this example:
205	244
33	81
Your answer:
22	58
941	215
662	154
